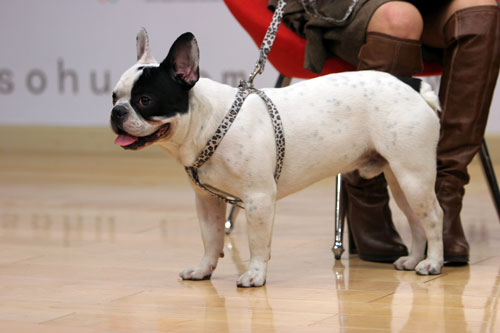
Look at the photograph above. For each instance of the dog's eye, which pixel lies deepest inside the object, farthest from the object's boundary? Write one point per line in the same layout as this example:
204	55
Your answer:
144	100
114	98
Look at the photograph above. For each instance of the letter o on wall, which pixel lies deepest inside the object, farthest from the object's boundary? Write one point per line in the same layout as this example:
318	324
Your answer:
36	81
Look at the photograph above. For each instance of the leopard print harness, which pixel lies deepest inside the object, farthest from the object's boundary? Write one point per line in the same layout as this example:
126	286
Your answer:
245	89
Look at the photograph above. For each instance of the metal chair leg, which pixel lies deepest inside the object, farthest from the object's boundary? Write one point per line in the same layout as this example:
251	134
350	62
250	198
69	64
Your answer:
229	225
338	247
489	172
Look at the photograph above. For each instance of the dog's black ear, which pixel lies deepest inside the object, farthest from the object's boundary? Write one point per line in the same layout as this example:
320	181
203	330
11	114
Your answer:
144	54
182	61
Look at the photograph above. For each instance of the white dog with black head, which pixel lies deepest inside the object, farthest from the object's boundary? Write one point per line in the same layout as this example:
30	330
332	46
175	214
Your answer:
369	121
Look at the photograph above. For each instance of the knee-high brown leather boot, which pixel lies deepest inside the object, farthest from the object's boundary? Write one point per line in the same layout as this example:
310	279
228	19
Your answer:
471	64
368	213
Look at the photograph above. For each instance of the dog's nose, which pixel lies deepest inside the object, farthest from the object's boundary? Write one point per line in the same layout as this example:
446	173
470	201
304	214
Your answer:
119	112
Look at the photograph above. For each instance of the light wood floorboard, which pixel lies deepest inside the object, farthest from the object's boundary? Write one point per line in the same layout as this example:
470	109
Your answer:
95	242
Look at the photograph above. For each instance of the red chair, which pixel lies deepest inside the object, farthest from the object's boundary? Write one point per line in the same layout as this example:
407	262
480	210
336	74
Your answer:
287	53
287	56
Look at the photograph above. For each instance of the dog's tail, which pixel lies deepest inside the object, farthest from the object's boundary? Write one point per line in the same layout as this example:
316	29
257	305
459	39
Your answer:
430	96
425	90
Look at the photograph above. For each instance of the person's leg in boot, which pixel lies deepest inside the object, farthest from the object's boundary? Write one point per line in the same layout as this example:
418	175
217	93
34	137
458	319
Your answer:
471	43
392	45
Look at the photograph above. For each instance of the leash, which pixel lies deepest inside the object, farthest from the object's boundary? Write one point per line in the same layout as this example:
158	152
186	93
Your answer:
245	89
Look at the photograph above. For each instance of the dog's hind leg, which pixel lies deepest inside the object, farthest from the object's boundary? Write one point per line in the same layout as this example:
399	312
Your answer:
211	214
417	249
414	194
260	211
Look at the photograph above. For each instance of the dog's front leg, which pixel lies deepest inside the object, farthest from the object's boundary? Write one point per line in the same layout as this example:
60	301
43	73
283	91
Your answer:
259	209
211	214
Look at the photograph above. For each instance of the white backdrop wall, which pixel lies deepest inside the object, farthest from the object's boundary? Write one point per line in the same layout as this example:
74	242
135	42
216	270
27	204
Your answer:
60	59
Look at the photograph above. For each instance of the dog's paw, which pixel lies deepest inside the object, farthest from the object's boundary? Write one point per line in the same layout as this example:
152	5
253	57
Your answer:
429	267
407	263
252	278
196	274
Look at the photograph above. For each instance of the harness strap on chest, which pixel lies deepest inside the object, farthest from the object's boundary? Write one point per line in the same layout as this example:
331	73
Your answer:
244	90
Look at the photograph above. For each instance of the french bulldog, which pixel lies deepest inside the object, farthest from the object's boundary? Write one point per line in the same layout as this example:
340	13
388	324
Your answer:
368	121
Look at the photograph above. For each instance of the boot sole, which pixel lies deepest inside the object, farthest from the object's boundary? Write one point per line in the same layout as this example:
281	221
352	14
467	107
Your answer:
456	260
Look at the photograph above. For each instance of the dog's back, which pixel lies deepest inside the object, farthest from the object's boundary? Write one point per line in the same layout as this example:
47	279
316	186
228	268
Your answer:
332	122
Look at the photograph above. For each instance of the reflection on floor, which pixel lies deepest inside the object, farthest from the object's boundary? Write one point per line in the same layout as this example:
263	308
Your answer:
95	243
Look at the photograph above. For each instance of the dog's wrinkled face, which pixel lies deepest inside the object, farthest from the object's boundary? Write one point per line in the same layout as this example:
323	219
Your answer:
149	97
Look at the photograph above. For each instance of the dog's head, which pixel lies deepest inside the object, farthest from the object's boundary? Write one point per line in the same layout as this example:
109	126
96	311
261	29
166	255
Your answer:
150	97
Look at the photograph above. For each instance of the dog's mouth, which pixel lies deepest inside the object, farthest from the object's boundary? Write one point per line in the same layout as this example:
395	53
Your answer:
127	141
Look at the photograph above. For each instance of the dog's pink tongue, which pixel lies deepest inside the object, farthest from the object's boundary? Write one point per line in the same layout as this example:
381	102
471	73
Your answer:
125	140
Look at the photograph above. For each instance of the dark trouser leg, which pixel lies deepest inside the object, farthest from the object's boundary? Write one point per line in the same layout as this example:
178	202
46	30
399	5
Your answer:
368	212
471	64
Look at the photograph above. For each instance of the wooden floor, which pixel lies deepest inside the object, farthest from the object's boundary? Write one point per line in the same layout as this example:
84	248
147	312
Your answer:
94	243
